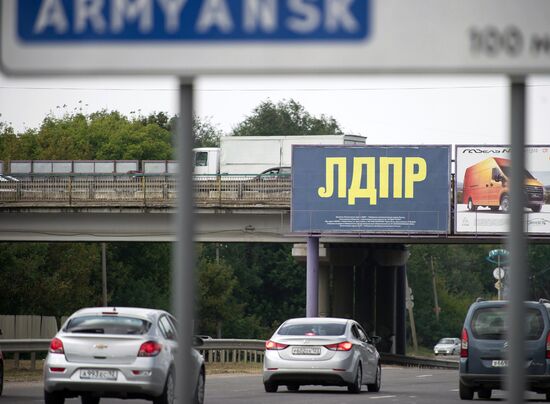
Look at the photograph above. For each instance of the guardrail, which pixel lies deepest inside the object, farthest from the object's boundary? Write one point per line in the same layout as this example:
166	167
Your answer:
225	351
143	191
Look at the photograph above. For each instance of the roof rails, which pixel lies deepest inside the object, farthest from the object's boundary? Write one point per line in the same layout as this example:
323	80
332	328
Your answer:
480	299
542	301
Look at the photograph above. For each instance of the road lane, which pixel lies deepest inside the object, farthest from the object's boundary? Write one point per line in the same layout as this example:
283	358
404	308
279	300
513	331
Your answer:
399	385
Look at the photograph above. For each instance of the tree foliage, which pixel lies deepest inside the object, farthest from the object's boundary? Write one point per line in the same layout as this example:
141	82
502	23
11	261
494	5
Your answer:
286	118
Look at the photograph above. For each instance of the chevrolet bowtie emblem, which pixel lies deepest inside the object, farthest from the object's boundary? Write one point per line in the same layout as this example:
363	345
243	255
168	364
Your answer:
100	346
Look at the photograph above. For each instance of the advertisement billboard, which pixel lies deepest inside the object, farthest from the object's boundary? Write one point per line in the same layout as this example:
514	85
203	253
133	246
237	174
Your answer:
482	189
370	189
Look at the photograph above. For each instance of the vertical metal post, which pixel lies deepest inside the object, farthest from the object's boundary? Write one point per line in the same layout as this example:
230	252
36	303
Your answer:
436	303
104	272
312	277
183	267
517	245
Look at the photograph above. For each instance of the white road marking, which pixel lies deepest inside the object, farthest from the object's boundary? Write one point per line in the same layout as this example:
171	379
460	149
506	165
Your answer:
454	390
377	397
424	376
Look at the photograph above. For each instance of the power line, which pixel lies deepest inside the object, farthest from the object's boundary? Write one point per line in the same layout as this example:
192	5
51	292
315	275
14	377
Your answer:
268	89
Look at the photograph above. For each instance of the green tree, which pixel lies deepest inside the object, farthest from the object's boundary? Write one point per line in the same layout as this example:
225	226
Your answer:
216	302
206	133
286	118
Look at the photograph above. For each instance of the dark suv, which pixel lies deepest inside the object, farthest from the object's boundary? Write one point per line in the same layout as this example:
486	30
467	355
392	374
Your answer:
484	346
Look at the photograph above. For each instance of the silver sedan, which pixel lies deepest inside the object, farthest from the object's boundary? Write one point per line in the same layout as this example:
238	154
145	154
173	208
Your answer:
116	352
321	351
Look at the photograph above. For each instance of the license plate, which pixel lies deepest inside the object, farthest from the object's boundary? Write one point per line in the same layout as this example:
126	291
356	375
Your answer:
499	363
98	374
306	350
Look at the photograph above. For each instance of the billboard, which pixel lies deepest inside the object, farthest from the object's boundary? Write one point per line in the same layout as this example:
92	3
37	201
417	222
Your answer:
482	189
370	189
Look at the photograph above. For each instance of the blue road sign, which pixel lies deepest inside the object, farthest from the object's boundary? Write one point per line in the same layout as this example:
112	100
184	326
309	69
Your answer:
191	20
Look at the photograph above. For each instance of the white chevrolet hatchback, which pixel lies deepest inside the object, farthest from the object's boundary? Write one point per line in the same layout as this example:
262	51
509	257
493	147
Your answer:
116	352
321	351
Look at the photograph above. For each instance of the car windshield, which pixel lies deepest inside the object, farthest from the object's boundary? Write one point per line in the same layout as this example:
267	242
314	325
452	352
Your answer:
446	341
331	329
108	325
490	323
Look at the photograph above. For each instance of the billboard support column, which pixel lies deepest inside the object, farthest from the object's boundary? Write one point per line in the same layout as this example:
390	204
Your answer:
517	245
312	277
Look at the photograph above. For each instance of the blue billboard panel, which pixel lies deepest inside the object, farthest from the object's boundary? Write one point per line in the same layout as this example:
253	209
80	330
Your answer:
192	20
371	189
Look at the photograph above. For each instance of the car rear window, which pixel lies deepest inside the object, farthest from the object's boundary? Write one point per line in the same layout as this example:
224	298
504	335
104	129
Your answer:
313	329
446	341
118	325
490	323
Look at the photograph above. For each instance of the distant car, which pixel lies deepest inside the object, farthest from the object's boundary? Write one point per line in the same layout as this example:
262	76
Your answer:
483	353
1	370
8	178
447	346
321	351
273	180
117	352
272	174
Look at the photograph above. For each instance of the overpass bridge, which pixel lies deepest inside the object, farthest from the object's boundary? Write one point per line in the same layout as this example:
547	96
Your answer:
354	276
139	208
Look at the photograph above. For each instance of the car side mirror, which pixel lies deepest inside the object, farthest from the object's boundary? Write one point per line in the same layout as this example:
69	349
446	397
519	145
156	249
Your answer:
375	339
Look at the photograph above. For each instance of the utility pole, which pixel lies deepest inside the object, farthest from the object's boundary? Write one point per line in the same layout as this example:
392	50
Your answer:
104	272
437	309
410	304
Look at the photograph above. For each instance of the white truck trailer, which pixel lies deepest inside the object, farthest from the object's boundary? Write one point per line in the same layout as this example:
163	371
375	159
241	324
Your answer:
255	154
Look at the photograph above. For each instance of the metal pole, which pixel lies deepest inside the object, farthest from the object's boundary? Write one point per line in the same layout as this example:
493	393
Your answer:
312	277
499	289
104	272
183	267
411	316
435	291
517	245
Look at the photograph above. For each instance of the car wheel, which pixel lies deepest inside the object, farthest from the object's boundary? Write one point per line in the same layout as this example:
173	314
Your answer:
548	396
270	387
293	387
167	396
484	394
471	206
53	398
355	387
199	389
89	400
375	387
465	392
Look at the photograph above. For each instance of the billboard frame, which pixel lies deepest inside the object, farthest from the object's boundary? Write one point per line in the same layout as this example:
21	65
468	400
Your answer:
390	233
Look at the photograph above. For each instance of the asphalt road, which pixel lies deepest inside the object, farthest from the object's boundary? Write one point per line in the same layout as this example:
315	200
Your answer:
399	385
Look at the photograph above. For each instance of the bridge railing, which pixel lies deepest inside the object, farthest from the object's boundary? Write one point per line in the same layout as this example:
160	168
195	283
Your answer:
143	190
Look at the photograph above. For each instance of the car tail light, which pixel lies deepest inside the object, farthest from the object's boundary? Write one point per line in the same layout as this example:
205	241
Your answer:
274	346
341	346
548	346
57	370
56	346
149	348
464	344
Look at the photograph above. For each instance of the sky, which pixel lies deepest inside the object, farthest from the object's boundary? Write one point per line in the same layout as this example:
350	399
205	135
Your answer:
385	109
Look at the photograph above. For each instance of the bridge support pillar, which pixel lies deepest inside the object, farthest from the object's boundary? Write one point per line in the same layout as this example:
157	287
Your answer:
312	277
